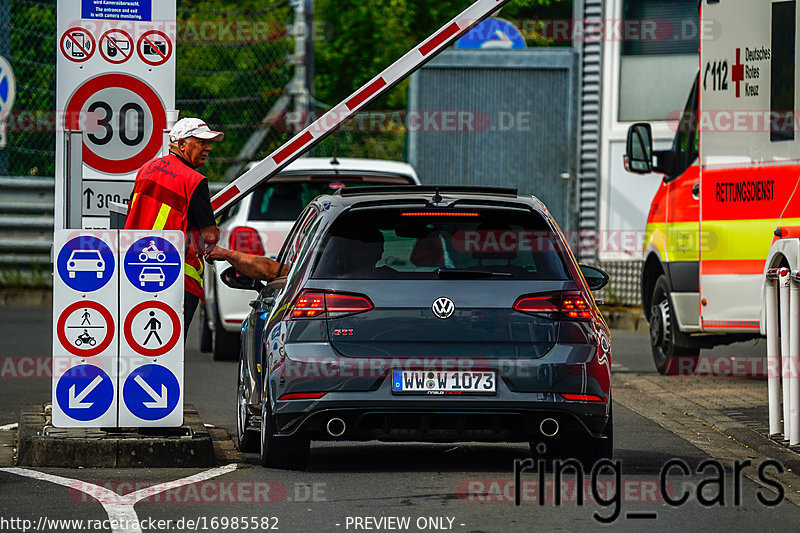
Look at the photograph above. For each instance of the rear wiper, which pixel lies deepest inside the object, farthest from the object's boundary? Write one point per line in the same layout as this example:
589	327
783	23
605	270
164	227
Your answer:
460	273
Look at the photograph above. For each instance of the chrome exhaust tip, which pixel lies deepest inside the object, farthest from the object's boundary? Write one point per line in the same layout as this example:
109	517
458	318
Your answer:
549	427
336	427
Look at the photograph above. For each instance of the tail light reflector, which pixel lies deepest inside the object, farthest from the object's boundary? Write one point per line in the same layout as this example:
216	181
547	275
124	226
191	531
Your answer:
303	396
584	398
338	304
570	305
246	240
313	304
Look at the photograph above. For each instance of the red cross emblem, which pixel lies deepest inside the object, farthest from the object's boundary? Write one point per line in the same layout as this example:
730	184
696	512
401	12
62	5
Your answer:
737	72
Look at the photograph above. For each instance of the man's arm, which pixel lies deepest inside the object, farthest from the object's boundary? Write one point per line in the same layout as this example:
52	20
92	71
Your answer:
252	266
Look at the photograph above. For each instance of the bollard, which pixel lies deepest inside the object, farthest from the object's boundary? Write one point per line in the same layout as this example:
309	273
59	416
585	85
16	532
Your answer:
794	351
773	354
784	295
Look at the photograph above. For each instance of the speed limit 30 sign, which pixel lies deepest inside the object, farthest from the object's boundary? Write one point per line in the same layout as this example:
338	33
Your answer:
115	88
123	118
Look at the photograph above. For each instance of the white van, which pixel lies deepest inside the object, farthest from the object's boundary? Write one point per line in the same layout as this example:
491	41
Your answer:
259	223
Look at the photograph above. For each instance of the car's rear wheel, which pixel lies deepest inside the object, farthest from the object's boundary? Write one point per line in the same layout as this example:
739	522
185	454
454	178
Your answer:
225	346
281	452
245	438
206	345
664	332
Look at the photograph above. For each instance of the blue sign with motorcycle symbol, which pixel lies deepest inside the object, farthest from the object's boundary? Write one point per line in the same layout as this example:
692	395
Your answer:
85	263
152	264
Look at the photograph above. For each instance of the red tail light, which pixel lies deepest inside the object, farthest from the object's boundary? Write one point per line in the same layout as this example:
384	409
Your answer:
244	239
310	304
583	397
313	304
570	305
303	396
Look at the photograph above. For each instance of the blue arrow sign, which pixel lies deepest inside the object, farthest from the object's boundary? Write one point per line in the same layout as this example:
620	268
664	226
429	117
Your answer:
151	392
85	263
8	85
152	264
84	392
492	33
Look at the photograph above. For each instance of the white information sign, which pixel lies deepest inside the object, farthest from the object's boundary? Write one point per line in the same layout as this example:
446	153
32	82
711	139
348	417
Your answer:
115	83
118	319
85	310
151	323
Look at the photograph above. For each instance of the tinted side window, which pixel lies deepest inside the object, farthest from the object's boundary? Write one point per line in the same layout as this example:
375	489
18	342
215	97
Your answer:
290	245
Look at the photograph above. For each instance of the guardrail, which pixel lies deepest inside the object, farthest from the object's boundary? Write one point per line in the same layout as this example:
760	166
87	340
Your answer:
26	219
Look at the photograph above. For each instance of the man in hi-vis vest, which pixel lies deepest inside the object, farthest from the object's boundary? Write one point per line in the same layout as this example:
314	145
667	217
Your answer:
169	194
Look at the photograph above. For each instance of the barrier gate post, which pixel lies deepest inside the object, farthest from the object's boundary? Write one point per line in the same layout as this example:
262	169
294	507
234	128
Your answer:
773	353
784	295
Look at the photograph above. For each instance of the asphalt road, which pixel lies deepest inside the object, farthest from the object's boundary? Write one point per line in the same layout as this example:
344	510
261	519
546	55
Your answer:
351	486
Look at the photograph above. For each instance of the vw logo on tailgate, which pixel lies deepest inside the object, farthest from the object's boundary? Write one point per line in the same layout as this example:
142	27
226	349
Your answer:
443	307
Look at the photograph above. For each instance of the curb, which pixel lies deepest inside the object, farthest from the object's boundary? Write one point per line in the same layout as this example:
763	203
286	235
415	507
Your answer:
42	445
21	298
626	319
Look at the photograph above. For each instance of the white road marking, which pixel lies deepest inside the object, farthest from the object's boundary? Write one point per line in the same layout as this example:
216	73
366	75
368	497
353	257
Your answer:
9	427
120	507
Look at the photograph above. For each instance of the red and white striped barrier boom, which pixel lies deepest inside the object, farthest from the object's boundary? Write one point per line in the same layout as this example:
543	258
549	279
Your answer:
330	121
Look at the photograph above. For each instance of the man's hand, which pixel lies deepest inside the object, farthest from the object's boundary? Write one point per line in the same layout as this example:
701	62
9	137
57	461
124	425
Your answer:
218	254
210	236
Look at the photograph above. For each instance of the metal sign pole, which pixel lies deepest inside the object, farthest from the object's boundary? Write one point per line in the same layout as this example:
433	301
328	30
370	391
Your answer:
73	179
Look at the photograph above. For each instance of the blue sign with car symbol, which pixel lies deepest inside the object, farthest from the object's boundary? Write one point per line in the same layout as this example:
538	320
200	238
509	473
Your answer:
152	264
85	263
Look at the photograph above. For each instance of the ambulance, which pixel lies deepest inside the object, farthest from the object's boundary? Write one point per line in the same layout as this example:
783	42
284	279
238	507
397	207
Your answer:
728	209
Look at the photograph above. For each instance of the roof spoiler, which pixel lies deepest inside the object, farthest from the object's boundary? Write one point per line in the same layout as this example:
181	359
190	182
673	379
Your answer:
432	189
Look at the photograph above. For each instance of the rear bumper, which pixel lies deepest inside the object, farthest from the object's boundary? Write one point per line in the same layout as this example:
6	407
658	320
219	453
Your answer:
457	420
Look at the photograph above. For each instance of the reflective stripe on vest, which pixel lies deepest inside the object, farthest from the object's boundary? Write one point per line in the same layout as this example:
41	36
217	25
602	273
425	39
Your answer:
161	218
193	273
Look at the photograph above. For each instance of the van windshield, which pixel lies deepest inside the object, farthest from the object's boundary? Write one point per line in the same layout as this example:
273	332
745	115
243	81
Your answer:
410	244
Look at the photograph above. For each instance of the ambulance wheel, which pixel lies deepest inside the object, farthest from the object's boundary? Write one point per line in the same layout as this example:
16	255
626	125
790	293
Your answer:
205	332
667	354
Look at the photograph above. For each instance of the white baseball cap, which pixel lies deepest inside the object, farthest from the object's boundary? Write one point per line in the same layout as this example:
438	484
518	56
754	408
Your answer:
193	127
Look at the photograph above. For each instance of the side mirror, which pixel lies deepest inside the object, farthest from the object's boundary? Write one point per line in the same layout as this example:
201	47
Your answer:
595	278
236	280
639	149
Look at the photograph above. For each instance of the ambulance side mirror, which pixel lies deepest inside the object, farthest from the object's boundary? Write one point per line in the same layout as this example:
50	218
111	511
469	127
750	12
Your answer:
639	149
236	280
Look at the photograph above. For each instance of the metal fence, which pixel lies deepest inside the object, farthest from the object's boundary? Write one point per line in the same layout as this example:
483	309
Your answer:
232	66
26	229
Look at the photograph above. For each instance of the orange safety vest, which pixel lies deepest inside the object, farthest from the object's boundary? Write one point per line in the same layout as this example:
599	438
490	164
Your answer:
160	201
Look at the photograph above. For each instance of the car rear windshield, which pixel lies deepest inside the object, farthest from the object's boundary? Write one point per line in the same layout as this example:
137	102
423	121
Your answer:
285	200
424	244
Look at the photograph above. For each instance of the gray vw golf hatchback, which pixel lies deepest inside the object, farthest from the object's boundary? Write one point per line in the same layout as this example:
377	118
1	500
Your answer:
439	314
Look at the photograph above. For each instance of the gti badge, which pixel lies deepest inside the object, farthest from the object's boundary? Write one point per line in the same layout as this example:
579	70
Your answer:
443	307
